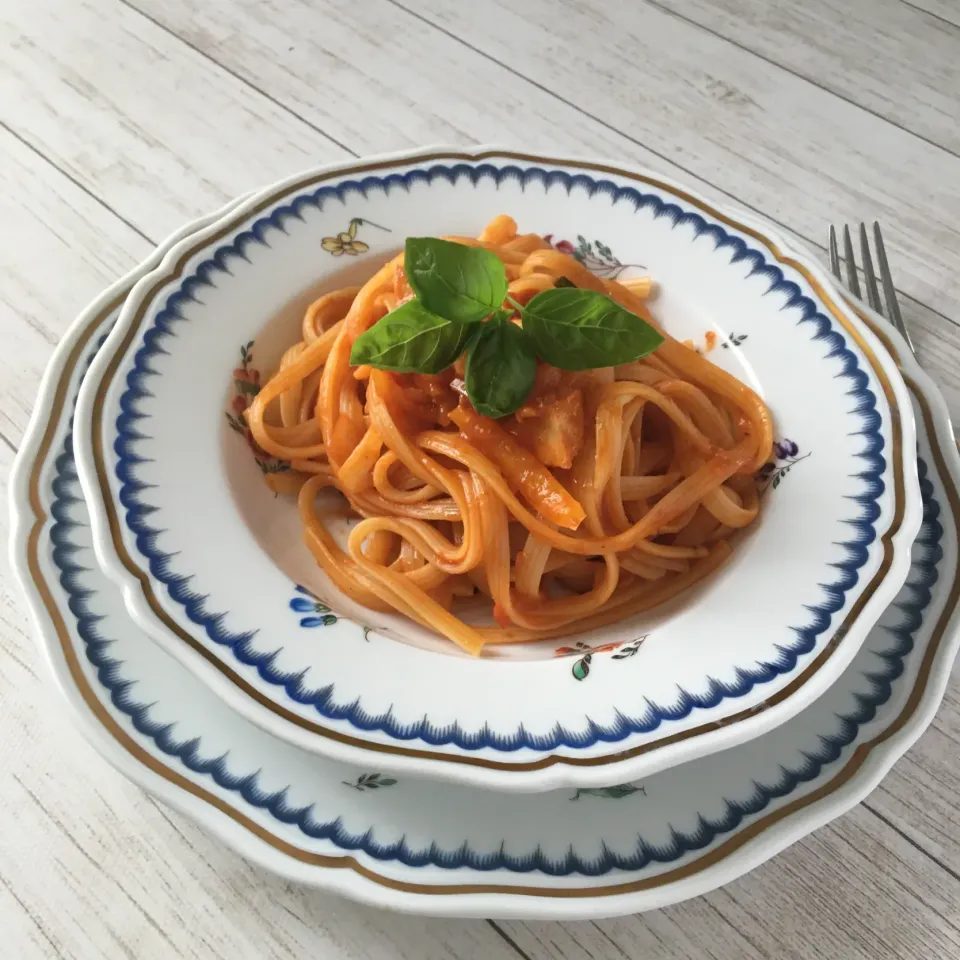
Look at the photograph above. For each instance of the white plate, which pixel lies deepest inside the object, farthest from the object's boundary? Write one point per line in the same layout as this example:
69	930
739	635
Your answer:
450	850
209	559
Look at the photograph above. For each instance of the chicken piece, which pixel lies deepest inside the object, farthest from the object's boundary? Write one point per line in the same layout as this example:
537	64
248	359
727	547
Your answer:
545	386
551	428
401	289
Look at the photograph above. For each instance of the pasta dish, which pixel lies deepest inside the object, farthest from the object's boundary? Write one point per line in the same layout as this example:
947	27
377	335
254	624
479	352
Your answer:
515	436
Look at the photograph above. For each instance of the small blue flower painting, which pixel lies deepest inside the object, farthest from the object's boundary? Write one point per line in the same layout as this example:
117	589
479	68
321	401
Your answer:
316	613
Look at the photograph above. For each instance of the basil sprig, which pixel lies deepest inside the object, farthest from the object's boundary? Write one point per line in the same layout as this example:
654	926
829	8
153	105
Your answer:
457	282
457	287
501	366
411	339
578	330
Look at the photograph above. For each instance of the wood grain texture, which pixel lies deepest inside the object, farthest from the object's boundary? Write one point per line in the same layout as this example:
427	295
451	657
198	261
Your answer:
59	247
102	93
885	56
119	119
946	11
872	894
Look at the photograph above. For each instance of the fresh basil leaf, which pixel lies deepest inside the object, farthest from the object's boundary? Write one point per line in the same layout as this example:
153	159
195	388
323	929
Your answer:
457	282
410	339
580	329
500	367
563	282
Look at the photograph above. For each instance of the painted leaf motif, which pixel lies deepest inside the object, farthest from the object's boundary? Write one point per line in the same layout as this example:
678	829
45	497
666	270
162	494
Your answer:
609	793
629	649
581	668
370	781
621	790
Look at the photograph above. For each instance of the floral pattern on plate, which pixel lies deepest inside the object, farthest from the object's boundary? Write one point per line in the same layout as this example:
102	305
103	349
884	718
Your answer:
246	385
317	613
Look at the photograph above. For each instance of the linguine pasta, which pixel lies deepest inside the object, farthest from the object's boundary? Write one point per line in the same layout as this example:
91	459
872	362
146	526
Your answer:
606	494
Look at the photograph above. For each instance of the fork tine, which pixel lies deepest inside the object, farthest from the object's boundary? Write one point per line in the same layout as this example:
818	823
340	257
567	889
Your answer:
889	293
893	308
834	253
853	281
869	277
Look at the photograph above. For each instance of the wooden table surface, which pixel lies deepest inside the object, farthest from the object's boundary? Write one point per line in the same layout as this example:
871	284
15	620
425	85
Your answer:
120	119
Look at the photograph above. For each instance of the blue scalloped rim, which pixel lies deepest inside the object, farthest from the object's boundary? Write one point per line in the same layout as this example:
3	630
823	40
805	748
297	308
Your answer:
82	602
141	515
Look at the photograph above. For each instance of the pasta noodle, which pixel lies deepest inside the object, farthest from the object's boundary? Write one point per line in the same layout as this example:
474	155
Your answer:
607	493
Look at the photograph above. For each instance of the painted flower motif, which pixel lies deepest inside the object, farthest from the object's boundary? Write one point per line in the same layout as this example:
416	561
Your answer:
343	243
580	647
246	385
595	255
247	374
318	614
786	455
766	471
258	452
346	242
581	667
784	449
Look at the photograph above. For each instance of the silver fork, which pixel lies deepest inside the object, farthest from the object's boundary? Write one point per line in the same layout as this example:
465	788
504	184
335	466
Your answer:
893	314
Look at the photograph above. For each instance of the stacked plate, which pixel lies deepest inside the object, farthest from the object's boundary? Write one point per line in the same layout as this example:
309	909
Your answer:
608	772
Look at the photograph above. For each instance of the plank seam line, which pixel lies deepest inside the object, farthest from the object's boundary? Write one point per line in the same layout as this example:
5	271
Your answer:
77	183
506	937
913	843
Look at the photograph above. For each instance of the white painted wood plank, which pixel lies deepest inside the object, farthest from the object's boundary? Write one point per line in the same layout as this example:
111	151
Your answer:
91	867
884	55
921	795
779	143
58	249
938	349
150	126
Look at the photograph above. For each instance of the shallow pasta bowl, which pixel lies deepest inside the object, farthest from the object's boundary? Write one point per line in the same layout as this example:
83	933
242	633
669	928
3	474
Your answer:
212	564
